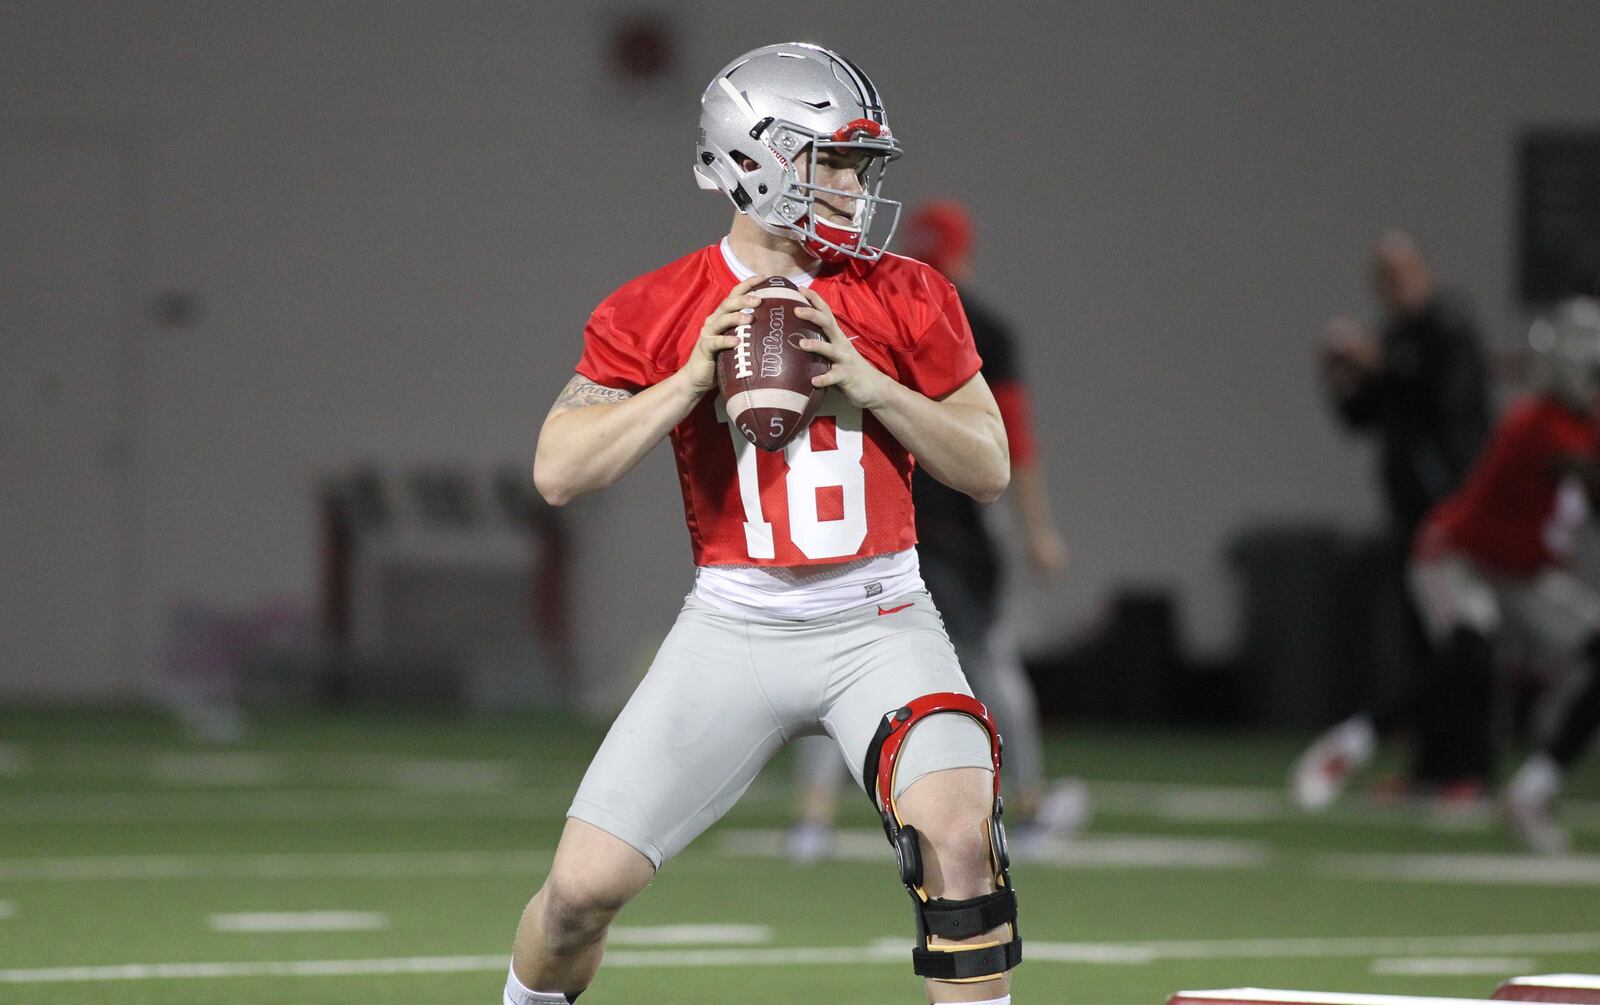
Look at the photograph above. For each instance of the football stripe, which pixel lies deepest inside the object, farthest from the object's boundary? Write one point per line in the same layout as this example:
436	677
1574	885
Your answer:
779	293
767	397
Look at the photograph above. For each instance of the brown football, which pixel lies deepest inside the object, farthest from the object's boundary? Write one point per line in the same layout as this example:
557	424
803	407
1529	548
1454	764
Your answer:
765	380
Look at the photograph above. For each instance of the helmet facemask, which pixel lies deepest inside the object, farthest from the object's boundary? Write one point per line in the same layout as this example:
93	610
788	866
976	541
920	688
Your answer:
834	240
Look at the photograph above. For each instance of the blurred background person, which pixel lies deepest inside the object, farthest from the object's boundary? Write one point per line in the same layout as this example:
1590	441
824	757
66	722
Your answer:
1491	563
963	569
1420	388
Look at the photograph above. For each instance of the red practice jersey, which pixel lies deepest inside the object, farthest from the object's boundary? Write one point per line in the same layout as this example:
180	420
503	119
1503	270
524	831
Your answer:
841	489
1516	512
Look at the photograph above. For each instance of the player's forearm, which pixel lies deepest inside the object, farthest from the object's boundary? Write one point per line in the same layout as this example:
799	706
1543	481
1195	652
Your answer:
961	445
585	449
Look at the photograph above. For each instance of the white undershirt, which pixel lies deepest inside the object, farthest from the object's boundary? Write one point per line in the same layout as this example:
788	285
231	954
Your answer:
742	271
801	592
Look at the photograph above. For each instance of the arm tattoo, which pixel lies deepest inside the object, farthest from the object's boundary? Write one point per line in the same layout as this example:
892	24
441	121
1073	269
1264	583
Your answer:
581	391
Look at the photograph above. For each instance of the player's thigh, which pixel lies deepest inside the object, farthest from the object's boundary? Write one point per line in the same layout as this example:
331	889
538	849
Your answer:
688	743
882	663
1556	612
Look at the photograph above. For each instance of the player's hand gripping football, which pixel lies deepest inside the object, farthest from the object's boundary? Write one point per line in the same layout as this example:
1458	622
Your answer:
701	369
863	384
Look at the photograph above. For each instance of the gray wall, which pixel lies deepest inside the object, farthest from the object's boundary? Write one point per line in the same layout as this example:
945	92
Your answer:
398	217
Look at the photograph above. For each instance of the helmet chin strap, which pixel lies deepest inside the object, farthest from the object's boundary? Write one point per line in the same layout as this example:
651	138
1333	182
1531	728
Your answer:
820	239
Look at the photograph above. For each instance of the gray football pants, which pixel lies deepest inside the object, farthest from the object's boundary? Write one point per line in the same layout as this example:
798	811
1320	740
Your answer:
992	664
726	691
998	680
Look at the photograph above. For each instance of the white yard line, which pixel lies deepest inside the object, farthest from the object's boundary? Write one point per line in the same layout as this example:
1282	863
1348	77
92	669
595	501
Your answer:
1257	804
7	910
889	951
1453	966
298	921
544	803
285	968
1486	869
255	768
1089	851
689	935
278	866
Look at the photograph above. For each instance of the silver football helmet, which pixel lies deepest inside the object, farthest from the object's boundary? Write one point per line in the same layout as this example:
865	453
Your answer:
1567	352
779	105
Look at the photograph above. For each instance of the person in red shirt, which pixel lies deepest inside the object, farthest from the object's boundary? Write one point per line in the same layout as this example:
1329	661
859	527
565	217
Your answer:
808	614
1490	562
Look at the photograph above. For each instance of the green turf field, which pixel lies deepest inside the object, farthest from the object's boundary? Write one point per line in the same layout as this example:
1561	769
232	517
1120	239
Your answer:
136	867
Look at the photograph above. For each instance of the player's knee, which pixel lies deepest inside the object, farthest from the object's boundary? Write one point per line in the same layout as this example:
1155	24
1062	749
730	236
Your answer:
577	909
956	851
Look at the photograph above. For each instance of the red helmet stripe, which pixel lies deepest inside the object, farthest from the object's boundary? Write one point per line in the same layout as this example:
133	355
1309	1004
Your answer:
848	131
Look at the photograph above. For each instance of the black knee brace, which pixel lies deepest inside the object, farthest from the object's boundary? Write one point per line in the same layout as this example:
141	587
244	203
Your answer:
949	919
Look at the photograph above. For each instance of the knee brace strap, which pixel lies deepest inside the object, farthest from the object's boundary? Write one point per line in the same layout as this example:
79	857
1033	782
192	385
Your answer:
949	919
962	919
969	963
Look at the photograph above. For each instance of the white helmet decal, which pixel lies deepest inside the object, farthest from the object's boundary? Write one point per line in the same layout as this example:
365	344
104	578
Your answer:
778	106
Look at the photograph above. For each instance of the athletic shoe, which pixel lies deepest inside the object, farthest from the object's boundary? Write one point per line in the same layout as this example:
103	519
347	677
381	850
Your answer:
808	842
1320	775
1530	798
1065	809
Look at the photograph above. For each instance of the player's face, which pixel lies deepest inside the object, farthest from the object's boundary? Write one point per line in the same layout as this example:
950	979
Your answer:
837	169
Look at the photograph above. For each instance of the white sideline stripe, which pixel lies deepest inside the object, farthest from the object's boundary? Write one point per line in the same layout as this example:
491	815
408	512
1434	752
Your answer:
1587	982
241	768
689	935
277	866
767	397
1257	804
1314	997
891	951
1491	870
1453	966
545	803
1091	851
283	968
1088	852
299	921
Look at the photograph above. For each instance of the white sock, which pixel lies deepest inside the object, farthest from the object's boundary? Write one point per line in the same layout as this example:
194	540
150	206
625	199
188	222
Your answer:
993	1001
516	994
1538	778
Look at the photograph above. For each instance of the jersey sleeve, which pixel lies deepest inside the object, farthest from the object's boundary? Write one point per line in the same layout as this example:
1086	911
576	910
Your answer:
608	358
943	357
1017	416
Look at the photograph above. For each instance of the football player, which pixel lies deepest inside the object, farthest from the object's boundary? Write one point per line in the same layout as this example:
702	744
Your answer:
807	614
1489	562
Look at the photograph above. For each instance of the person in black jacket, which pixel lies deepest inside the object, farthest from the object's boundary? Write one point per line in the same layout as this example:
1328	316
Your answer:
1419	387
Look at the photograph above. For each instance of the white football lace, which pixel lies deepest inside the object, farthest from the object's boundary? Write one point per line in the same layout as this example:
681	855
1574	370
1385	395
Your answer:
741	354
